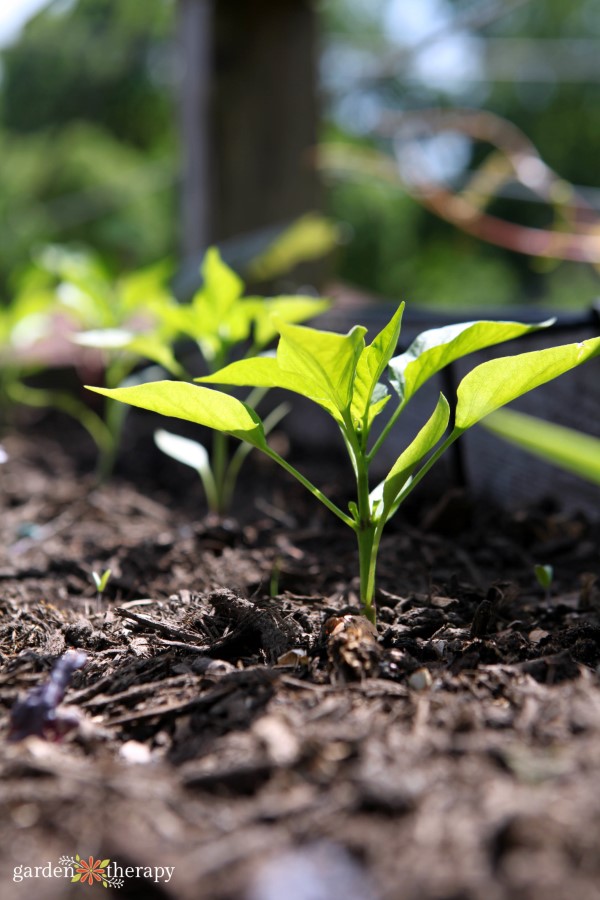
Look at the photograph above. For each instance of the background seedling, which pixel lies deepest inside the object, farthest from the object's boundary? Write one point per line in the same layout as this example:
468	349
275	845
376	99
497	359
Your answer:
100	581
545	577
219	318
344	376
567	448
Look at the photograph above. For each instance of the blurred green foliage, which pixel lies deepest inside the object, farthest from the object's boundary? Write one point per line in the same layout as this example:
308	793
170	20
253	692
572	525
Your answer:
90	154
87	134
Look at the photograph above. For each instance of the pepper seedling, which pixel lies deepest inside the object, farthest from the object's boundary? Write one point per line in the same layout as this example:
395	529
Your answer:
343	375
223	322
544	576
101	581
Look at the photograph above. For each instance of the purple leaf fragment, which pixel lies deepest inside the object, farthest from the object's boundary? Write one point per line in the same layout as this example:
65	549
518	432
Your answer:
37	713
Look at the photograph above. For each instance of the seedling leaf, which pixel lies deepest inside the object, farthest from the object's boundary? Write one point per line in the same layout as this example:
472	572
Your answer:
265	371
327	359
544	575
100	581
433	350
499	381
408	460
203	406
371	366
565	447
285	309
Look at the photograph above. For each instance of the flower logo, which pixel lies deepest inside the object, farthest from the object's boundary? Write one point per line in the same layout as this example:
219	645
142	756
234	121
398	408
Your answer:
90	870
94	870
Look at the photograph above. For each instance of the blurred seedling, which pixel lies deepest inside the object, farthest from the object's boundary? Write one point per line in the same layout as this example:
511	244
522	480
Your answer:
100	583
545	576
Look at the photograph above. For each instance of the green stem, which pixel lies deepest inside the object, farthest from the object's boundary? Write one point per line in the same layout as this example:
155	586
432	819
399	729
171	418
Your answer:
242	451
453	436
365	538
386	430
310	487
368	549
368	532
219	469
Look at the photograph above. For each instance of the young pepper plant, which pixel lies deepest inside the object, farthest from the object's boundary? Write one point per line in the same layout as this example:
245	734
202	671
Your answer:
219	318
344	376
223	321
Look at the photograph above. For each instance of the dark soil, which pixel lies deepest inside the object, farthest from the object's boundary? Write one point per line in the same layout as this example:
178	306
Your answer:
239	722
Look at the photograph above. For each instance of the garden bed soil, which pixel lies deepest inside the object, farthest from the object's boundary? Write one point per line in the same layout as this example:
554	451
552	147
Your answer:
239	722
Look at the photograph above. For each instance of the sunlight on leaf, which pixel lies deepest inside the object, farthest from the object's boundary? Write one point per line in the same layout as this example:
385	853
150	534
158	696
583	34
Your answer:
499	381
432	350
328	359
204	406
372	364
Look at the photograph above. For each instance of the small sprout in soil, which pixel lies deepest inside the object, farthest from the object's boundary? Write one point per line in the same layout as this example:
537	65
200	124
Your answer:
545	577
100	581
37	713
354	383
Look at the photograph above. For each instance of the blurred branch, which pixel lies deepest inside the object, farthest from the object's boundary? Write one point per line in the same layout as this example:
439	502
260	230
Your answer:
576	232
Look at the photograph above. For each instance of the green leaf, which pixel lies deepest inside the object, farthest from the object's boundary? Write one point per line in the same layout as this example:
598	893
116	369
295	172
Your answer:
264	371
379	399
214	316
76	878
409	459
203	406
222	287
309	237
100	581
565	447
433	350
104	863
153	349
328	360
286	309
145	287
544	575
495	383
372	364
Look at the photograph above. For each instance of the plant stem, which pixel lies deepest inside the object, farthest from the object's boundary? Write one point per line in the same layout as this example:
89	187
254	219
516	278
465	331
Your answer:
368	532
453	436
310	487
386	430
219	469
367	561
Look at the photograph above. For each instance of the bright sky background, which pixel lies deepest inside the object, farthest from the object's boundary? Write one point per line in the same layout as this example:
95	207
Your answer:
14	14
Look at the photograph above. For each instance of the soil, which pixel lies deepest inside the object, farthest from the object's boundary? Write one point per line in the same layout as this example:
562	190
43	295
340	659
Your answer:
238	721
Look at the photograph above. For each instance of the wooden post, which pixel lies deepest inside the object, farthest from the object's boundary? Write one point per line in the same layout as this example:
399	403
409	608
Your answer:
249	116
196	41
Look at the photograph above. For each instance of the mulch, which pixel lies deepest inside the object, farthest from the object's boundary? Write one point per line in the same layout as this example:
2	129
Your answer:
237	719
